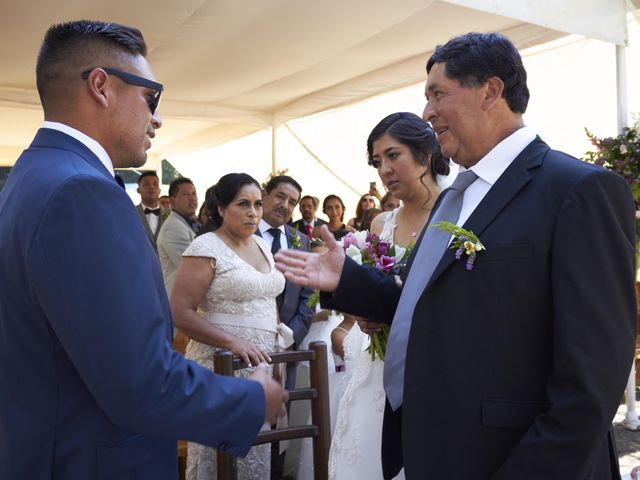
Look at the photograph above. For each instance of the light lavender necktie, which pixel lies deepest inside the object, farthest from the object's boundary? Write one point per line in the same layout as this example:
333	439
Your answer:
432	247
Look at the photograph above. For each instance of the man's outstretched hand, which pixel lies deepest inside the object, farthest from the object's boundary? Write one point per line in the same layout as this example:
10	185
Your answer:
313	270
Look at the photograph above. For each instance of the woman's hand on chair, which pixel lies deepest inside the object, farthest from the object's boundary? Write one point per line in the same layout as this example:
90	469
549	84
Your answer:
248	352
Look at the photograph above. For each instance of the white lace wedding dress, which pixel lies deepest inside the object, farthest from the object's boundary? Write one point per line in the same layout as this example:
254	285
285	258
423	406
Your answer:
241	301
357	438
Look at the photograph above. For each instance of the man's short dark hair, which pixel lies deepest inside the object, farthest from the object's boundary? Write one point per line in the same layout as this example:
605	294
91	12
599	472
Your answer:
314	200
473	58
147	173
70	47
275	181
175	185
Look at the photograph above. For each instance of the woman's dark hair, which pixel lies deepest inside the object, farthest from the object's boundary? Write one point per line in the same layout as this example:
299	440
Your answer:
473	58
359	211
222	194
327	199
368	217
410	130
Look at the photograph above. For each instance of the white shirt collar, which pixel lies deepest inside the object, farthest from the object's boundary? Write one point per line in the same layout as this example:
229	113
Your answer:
87	141
494	163
264	226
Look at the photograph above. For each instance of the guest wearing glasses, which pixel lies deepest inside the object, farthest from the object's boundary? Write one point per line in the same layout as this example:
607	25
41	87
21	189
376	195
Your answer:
366	202
90	385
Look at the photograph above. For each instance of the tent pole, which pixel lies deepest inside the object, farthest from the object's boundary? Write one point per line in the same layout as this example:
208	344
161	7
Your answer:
273	144
621	87
631	421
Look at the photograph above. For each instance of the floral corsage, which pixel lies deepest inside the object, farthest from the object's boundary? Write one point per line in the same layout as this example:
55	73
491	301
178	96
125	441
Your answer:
294	238
464	242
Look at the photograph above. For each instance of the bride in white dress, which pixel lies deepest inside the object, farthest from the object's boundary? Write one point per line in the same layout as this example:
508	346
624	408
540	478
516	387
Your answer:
224	296
403	149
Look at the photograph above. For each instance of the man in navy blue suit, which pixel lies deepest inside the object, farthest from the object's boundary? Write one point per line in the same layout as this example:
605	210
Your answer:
512	369
90	387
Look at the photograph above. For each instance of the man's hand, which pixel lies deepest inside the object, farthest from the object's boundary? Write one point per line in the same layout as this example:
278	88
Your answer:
274	395
313	270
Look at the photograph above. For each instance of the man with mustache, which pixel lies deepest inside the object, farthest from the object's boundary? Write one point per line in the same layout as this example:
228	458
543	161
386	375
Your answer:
180	228
280	197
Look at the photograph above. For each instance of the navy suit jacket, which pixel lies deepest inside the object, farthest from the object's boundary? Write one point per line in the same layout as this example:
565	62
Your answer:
90	387
521	362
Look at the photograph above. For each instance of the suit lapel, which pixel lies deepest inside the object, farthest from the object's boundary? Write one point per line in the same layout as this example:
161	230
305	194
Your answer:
514	179
145	223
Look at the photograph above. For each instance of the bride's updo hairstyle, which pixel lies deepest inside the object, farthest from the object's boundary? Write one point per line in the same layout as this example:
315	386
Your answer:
222	194
410	130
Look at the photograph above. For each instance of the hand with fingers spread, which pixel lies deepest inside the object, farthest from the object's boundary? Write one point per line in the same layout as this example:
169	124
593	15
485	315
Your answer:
275	396
248	351
313	270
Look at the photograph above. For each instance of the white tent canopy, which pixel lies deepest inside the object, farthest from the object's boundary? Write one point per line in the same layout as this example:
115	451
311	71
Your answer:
232	68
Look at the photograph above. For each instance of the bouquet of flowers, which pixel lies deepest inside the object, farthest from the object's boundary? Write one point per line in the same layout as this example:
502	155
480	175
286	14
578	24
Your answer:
367	248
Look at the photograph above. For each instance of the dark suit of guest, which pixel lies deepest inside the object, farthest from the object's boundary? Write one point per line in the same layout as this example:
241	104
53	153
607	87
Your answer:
515	369
90	387
152	235
292	306
301	225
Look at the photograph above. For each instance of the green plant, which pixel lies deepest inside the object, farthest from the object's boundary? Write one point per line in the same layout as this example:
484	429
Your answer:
621	154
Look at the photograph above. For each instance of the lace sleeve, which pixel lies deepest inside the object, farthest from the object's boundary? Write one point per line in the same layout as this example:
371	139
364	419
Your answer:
203	246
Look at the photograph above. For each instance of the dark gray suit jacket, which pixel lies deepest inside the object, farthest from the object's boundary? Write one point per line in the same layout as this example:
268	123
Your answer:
152	236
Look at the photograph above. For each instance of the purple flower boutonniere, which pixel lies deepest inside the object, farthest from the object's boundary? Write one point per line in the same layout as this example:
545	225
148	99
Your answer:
465	242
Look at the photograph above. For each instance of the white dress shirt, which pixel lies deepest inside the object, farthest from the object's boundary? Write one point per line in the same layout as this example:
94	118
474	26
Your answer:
491	167
152	219
264	226
87	141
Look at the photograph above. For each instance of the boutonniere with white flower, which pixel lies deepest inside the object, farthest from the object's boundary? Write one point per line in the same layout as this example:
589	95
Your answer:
294	238
465	242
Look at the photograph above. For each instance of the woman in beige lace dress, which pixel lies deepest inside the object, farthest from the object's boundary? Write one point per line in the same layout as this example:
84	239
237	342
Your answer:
224	296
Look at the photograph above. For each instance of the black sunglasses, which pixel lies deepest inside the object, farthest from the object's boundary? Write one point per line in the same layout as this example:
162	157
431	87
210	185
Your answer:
135	80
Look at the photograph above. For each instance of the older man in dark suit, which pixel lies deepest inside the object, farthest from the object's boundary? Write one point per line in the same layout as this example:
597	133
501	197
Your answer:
516	354
280	197
90	387
308	208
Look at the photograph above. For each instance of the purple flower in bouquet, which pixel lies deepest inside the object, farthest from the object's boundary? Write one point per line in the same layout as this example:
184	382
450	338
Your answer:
385	263
382	248
349	239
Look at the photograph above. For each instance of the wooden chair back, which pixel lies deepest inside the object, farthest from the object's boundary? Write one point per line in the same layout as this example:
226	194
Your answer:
224	363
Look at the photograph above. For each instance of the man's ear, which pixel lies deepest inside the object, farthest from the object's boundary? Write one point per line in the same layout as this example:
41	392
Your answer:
492	92
98	83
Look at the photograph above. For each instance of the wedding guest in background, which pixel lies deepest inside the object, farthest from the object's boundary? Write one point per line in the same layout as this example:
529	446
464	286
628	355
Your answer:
151	213
366	202
179	229
224	297
165	202
203	215
389	202
368	217
280	197
308	208
90	387
545	311
333	208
